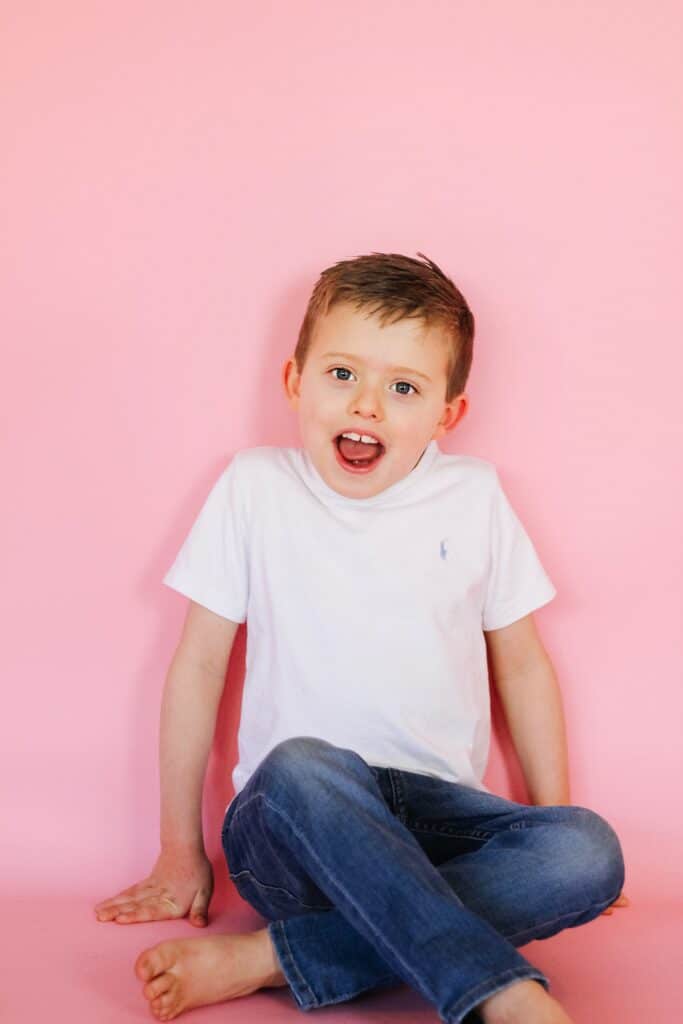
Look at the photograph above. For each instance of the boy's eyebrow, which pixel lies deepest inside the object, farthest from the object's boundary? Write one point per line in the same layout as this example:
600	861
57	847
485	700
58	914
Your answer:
393	369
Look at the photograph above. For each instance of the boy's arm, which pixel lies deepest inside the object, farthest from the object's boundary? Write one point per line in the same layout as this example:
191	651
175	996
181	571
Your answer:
193	690
526	682
181	881
528	688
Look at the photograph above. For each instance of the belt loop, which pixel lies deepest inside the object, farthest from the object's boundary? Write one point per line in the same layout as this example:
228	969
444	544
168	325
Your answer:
397	793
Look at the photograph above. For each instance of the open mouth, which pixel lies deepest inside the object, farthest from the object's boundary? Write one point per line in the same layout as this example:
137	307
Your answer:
358	456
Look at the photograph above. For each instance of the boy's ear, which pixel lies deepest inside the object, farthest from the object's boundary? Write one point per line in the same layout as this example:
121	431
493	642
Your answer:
291	381
452	414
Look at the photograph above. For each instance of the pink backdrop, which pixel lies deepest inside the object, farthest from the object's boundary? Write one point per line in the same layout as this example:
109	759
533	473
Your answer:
175	176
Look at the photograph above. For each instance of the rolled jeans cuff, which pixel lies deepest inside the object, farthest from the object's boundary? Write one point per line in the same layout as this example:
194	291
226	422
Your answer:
460	1011
303	994
306	999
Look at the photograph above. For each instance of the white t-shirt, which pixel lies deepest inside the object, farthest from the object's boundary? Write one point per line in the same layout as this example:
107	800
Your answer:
364	615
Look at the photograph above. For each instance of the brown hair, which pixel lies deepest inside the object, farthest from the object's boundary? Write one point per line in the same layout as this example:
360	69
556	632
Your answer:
396	286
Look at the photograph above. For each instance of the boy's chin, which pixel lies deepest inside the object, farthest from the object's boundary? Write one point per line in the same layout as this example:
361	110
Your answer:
362	489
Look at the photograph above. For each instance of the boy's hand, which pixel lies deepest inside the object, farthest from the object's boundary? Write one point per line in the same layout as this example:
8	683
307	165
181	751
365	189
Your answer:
180	882
621	901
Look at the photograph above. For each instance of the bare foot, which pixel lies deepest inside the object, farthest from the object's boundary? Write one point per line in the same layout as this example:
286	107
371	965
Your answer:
523	1002
184	973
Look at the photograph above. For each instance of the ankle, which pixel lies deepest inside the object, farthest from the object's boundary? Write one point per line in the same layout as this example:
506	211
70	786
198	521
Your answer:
523	1002
508	1005
274	975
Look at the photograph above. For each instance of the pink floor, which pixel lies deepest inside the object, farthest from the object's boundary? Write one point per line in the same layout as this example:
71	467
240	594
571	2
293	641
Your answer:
58	963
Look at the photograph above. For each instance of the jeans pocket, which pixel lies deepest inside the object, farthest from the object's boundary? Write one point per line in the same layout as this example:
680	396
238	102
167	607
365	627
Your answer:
272	901
442	842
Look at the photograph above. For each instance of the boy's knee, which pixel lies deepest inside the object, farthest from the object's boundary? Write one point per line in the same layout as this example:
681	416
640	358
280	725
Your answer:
301	758
299	751
304	764
596	852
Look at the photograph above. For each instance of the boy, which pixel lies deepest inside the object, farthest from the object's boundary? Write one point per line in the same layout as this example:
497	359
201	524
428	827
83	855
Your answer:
376	574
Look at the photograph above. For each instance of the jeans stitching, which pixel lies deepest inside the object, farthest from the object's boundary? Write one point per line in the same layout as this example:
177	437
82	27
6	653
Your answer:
285	817
279	925
394	798
447	830
514	937
481	991
398	791
356	992
251	877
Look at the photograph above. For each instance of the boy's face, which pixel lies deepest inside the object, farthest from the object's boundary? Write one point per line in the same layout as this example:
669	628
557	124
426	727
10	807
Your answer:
383	382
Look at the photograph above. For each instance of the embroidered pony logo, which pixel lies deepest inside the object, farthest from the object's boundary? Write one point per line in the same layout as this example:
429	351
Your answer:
443	548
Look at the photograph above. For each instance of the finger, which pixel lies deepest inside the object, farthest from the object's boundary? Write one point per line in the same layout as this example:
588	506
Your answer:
120	905
112	902
132	905
109	905
199	911
123	908
148	912
620	901
127	895
107	913
166	906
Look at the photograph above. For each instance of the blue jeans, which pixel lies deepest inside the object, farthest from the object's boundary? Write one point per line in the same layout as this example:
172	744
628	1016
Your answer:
374	876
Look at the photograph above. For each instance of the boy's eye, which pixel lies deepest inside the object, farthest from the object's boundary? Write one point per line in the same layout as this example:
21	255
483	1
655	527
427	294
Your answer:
340	369
399	384
405	383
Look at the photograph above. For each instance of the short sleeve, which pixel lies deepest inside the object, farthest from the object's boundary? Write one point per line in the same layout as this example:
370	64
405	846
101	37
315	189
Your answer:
517	582
211	567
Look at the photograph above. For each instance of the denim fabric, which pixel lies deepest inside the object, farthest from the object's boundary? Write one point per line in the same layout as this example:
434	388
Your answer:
373	876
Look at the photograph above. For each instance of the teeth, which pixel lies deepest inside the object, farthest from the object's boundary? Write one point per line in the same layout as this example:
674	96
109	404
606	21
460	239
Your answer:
361	437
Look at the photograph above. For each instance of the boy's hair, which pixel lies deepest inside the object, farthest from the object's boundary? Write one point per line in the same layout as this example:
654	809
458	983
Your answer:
396	287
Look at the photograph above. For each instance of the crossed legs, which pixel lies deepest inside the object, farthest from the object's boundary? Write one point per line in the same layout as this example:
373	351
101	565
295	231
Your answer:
354	903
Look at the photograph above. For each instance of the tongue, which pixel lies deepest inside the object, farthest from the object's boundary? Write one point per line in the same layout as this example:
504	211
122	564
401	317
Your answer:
358	450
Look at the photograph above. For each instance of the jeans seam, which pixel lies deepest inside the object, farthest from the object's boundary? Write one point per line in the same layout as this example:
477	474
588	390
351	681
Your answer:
279	925
364	988
448	833
399	795
500	981
482	991
392	783
285	817
246	803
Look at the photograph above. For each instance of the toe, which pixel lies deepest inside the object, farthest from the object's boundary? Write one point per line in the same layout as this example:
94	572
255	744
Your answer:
154	961
144	966
164	1007
157	986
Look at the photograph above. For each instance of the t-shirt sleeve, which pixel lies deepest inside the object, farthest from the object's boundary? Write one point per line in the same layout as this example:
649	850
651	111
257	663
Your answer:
517	582
211	567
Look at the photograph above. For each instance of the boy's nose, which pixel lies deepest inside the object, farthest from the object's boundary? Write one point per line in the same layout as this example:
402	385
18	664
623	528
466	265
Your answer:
367	402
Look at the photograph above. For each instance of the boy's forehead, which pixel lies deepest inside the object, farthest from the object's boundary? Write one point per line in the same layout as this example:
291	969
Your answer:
347	316
346	328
